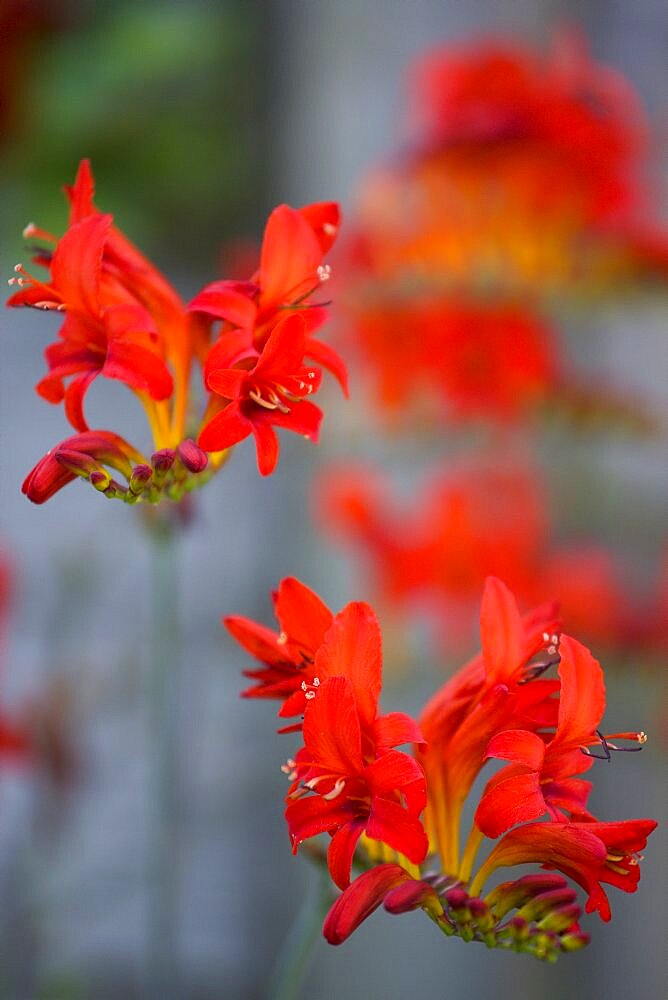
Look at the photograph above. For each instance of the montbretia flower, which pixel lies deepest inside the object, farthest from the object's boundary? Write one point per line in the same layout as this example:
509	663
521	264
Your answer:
288	656
291	271
521	185
397	817
432	551
348	779
274	391
121	319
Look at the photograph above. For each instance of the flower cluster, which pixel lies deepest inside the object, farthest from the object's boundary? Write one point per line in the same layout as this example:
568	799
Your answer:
123	320
432	552
397	816
522	187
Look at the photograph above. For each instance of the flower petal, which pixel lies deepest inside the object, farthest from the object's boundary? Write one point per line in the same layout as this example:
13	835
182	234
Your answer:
360	899
501	632
331	727
396	827
341	851
227	428
352	649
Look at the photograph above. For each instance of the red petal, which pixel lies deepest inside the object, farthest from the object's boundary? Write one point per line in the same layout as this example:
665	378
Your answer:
74	397
225	429
509	801
302	615
352	649
226	382
231	347
582	696
304	418
331	728
392	772
291	255
309	816
259	641
501	632
326	356
266	445
394	729
77	263
229	300
81	193
324	218
360	899
518	746
396	827
139	367
341	851
283	354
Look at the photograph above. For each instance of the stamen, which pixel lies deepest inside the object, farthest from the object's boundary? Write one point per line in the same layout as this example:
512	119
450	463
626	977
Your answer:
324	272
336	791
607	746
282	639
310	689
257	398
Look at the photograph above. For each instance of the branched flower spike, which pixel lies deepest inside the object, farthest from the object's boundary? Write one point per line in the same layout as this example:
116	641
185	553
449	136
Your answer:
396	817
121	319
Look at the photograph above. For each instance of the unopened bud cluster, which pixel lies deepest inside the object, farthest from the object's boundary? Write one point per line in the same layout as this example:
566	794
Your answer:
170	474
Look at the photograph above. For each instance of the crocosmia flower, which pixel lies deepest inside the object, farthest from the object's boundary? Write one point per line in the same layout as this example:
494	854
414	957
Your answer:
431	552
121	319
520	186
533	698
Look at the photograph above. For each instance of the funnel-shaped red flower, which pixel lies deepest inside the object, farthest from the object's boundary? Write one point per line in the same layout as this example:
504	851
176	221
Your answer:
287	656
273	393
348	779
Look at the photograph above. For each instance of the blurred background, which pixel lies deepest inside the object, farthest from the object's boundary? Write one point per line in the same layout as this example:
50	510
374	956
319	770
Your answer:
198	119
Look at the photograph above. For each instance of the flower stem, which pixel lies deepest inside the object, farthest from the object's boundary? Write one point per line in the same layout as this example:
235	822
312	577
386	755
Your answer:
294	958
163	848
471	849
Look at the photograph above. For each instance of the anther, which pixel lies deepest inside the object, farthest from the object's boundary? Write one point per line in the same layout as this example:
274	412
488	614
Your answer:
324	272
607	746
282	639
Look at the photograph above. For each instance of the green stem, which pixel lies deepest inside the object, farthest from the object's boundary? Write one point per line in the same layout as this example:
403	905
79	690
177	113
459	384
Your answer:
292	966
163	847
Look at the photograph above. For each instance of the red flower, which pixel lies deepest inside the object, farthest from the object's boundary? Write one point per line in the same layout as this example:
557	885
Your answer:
106	331
589	853
273	392
287	656
348	779
540	777
359	783
291	270
433	551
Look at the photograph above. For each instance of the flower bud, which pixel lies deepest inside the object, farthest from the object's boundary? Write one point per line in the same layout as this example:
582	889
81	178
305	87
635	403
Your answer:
140	478
192	456
76	461
163	460
100	479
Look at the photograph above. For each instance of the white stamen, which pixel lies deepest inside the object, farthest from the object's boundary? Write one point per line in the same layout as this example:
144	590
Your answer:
338	788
